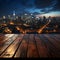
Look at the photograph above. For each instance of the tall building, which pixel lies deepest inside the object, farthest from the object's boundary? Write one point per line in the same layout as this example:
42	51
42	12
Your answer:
4	17
9	17
14	15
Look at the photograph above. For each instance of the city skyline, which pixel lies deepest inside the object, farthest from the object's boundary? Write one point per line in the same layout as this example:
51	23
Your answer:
41	7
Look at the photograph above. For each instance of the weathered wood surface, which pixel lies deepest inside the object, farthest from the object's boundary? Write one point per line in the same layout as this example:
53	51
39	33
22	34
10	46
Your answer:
31	45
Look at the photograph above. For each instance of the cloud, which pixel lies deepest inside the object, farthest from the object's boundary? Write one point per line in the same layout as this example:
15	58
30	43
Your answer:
42	3
42	6
46	5
57	6
39	6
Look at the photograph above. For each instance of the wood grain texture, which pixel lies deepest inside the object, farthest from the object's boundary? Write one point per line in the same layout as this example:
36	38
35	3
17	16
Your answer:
31	46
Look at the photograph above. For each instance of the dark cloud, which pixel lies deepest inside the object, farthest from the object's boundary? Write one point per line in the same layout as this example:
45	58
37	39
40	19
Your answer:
42	3
47	5
57	6
7	6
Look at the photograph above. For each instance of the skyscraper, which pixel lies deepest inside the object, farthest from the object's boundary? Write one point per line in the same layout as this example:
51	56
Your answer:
14	15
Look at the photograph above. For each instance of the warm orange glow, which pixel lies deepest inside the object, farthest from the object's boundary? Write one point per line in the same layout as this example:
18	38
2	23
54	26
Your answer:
17	28
11	23
4	24
40	30
7	30
26	25
54	30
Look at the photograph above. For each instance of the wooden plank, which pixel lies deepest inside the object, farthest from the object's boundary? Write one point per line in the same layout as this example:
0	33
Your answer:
7	44
47	44
56	39
12	48
56	50
57	36
22	51
55	42
41	47
32	51
32	45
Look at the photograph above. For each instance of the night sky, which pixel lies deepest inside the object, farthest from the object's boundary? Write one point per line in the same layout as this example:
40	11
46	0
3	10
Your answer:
30	6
